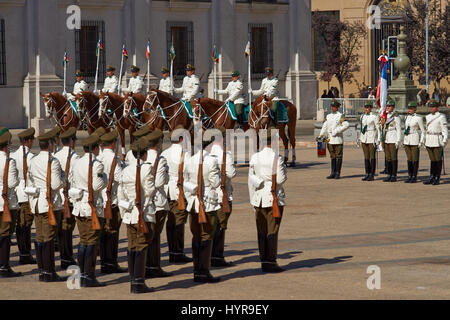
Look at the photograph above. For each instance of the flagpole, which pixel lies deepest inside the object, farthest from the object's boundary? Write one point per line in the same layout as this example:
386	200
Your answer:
65	72
119	88
215	75
96	70
249	75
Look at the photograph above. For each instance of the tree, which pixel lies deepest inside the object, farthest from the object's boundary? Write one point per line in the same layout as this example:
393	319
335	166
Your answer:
439	38
343	43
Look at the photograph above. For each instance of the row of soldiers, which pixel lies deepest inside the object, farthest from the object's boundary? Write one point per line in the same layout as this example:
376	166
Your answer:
373	133
190	88
149	187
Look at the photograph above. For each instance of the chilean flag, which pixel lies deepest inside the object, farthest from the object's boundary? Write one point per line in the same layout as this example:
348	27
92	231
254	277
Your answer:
382	90
124	52
147	53
215	55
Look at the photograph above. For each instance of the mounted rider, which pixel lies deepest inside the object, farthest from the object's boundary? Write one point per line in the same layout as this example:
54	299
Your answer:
111	81
136	84
234	90
269	88
165	84
190	87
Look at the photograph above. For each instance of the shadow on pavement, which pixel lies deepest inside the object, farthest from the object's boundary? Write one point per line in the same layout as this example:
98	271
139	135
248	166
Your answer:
311	263
306	165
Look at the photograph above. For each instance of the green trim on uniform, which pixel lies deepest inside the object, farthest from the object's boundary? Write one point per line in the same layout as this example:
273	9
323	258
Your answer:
416	158
441	154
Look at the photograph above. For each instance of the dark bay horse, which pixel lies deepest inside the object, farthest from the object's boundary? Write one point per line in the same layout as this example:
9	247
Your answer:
134	108
88	104
259	118
59	108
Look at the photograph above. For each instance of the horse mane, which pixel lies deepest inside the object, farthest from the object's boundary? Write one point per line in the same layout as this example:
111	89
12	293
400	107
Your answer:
166	95
214	102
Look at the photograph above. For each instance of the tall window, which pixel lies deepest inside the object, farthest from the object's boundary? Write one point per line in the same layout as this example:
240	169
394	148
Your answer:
261	47
182	35
2	53
86	40
319	45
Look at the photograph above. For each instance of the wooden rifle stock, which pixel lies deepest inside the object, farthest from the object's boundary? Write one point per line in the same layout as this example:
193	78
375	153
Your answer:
66	187
6	213
108	208
225	203
142	226
275	208
181	202
51	214
201	209
95	221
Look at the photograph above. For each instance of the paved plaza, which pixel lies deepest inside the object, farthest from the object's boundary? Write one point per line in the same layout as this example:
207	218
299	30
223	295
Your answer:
331	232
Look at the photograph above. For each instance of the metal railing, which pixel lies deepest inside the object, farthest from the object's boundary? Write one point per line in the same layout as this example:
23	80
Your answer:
350	107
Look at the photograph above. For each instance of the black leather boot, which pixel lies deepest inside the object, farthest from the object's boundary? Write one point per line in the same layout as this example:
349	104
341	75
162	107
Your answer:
170	235
338	168
196	256
23	236
270	265
373	166
204	276
410	172
66	250
415	171
333	169
89	267
262	247
218	248
367	167
153	264
81	263
178	254
114	247
432	171
437	173
130	257
104	236
38	249
48	259
138	283
389	172
394	171
5	269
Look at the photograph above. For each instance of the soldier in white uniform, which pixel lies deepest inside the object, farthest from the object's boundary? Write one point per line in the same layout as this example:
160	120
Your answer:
87	252
177	215
412	141
269	88
138	242
141	132
393	136
261	198
435	140
45	233
161	176
333	128
109	242
136	85
202	233
13	182
369	138
111	81
24	217
191	86
234	90
67	225
227	172
165	84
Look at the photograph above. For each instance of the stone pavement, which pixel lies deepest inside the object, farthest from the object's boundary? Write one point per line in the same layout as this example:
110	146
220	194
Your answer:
331	232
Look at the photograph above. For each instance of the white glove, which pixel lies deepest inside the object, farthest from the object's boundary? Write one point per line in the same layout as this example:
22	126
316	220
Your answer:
216	90
250	92
396	145
443	144
227	100
378	142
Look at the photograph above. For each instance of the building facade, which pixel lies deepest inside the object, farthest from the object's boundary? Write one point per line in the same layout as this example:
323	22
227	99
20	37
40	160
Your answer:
35	36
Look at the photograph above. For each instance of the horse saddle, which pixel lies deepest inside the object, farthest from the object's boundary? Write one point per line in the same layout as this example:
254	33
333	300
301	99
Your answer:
246	112
188	108
231	110
281	112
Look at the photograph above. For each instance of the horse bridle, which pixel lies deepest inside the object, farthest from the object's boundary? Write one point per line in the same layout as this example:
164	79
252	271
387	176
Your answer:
161	109
210	123
263	115
51	104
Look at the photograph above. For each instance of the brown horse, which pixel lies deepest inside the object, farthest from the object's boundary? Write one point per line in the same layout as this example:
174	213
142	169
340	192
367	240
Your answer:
60	109
112	109
133	108
259	118
88	105
167	111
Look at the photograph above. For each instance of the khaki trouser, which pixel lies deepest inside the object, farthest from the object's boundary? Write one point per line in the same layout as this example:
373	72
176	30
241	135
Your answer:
160	217
88	236
390	152
5	227
435	154
222	217
44	231
113	225
202	231
335	150
24	215
368	150
138	241
265	223
176	216
412	153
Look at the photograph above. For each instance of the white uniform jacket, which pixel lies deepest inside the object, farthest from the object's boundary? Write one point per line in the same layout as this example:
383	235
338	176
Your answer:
413	124
234	90
436	130
13	182
127	193
18	157
230	171
260	179
334	127
173	157
106	159
161	180
269	88
110	84
393	128
165	85
80	87
136	85
370	124
211	181
190	87
81	206
38	179
61	155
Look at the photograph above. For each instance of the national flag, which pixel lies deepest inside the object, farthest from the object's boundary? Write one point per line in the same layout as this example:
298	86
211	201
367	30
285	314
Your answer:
172	52
215	55
99	47
124	52
147	53
382	90
247	49
66	59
